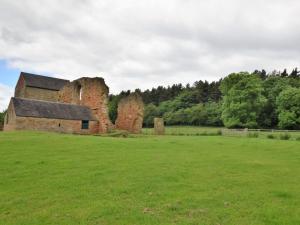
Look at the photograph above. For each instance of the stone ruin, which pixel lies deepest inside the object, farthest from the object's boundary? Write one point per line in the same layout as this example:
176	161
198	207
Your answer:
90	92
130	113
93	93
159	126
79	106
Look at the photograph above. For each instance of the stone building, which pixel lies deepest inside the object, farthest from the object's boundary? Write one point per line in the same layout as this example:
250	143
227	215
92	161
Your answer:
39	87
47	104
81	106
29	114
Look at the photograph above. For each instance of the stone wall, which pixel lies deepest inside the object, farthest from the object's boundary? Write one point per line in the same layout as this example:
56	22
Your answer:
13	122
41	94
70	93
130	113
23	91
10	118
20	88
52	125
90	92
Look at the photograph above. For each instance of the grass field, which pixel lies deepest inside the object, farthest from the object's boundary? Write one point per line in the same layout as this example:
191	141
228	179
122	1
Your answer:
210	131
206	180
185	130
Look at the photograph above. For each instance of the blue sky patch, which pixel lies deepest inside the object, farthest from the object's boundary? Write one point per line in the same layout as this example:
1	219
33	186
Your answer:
8	76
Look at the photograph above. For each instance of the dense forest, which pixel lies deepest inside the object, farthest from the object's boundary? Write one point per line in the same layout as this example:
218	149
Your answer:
252	100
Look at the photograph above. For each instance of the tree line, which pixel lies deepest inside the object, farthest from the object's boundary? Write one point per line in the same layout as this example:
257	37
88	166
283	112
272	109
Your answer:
253	100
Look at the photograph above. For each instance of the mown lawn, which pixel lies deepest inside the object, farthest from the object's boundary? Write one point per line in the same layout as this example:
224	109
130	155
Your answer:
185	130
66	180
210	131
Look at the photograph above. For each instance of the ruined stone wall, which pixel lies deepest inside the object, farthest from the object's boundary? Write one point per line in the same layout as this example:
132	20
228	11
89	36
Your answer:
53	125
130	113
70	93
10	118
90	92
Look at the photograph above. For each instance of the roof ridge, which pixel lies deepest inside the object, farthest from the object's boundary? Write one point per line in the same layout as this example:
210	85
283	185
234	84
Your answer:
39	75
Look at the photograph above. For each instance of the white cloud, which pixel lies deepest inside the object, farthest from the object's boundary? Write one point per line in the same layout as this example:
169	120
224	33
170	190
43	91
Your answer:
141	43
5	94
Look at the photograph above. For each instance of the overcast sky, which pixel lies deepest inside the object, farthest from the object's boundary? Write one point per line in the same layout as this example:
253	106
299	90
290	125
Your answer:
145	43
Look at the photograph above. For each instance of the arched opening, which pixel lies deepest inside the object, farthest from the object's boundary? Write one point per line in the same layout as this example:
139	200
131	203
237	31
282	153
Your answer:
80	92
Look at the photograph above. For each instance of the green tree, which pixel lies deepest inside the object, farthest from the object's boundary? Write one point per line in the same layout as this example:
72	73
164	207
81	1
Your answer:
151	111
214	114
2	115
197	115
273	86
288	107
242	101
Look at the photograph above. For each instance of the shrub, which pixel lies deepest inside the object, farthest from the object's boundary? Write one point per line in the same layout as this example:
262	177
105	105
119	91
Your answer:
270	136
285	136
298	139
204	133
219	132
253	135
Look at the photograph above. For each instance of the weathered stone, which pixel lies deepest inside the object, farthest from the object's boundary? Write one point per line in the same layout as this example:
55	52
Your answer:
14	122
90	92
51	125
130	113
44	88
23	91
159	126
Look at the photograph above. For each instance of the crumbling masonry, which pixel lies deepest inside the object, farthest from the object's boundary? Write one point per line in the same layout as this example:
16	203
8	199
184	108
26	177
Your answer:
80	106
130	113
90	92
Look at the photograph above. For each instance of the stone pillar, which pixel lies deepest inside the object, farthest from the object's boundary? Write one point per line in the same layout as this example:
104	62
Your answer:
130	113
159	126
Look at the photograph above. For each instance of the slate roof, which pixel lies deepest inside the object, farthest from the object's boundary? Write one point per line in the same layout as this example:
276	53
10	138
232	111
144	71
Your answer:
52	110
44	82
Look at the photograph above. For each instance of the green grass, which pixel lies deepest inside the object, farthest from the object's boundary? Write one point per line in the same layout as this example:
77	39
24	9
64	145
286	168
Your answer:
186	130
210	131
207	180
